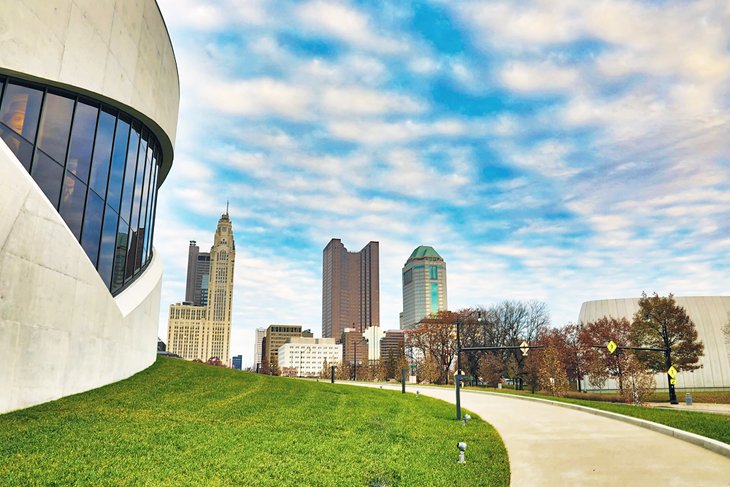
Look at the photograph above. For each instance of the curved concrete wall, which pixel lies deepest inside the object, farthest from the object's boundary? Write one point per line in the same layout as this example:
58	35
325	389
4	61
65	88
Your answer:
117	51
61	331
709	314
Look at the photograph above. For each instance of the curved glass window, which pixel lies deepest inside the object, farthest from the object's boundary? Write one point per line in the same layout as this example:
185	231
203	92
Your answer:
97	165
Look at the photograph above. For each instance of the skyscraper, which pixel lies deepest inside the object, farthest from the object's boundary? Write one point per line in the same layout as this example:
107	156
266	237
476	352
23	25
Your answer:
424	286
196	287
350	288
204	332
258	346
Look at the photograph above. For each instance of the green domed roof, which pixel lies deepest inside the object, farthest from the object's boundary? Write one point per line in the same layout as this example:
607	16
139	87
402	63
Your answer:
424	251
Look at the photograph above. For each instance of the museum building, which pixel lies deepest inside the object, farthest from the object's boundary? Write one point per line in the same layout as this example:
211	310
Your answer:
89	95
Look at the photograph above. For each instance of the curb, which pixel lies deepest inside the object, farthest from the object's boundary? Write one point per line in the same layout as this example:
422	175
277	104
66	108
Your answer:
701	441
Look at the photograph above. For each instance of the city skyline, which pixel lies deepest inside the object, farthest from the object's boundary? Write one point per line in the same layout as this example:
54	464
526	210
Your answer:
562	153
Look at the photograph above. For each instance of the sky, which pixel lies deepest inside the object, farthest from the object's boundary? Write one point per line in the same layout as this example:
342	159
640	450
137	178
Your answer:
552	150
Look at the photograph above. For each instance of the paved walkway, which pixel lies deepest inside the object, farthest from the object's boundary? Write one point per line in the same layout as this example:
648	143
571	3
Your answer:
698	407
554	446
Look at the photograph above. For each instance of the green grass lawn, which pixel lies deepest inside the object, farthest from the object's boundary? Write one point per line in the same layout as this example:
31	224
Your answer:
716	426
180	423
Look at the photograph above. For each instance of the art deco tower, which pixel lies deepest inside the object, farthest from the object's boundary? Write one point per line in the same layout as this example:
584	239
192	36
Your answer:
204	332
220	288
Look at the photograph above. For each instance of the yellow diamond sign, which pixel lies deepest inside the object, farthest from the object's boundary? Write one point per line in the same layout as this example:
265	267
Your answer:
523	348
672	372
611	346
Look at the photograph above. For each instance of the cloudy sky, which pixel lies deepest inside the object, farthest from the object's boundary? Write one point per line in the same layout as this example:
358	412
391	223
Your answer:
558	150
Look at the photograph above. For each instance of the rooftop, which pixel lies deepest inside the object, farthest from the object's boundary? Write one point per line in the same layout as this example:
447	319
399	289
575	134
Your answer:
424	251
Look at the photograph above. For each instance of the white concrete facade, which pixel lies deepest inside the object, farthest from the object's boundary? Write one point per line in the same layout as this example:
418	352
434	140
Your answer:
307	355
373	335
116	51
709	314
61	331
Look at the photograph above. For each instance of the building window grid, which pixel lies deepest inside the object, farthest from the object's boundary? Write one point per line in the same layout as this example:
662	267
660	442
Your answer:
152	163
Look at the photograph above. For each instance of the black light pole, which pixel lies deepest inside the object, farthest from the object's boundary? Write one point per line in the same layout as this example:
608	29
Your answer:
668	364
457	378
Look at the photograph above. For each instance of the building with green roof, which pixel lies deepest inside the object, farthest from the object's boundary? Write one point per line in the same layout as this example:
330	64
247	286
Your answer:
424	286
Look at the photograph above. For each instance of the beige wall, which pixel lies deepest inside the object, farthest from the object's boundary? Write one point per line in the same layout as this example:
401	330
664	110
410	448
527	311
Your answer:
116	51
61	331
709	314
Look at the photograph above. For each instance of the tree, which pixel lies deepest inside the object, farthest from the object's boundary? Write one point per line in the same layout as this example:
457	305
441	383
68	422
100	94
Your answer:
490	369
435	338
600	365
639	384
553	377
660	323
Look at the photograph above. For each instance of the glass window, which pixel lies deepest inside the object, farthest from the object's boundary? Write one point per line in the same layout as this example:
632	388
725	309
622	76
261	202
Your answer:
434	271
22	149
407	277
55	126
48	174
434	297
73	196
106	252
129	173
144	213
119	156
20	109
82	141
139	184
92	226
102	152
120	255
153	208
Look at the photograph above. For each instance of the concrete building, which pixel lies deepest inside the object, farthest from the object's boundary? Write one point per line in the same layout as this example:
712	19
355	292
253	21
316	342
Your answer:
354	347
276	336
89	96
350	288
424	286
196	286
258	346
204	332
308	355
373	336
709	314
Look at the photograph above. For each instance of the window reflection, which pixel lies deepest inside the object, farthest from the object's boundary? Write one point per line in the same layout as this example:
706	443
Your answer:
102	152
82	141
55	126
73	195
91	162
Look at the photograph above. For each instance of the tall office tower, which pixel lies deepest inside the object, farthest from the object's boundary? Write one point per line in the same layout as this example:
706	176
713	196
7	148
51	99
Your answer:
350	288
204	332
257	346
196	287
424	286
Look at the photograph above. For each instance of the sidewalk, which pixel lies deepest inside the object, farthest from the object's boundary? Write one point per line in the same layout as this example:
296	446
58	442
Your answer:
701	407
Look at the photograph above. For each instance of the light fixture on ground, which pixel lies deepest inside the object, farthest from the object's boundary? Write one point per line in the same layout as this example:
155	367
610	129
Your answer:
466	419
462	448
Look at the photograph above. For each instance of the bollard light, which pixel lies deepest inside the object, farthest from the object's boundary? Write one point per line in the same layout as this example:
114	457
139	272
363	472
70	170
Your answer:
417	393
465	420
462	448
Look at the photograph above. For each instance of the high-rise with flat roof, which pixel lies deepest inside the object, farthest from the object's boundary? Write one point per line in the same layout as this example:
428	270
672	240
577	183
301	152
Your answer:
350	288
257	346
196	286
424	286
276	336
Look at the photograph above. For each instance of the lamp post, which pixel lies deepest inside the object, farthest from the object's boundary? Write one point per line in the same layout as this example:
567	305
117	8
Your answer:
457	378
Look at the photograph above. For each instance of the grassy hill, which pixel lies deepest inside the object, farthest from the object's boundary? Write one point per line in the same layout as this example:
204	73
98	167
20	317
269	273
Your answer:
180	423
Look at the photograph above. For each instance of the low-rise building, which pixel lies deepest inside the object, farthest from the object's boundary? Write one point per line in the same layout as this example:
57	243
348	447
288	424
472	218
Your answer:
308	355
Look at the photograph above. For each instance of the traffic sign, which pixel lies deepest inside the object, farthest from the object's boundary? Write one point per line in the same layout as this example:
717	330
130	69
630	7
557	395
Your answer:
672	372
611	346
524	348
672	381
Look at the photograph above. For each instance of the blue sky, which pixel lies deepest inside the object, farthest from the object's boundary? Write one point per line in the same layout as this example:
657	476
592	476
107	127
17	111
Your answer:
558	150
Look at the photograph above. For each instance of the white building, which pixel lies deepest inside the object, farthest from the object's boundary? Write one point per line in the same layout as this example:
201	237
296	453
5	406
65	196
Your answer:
89	95
257	347
708	313
373	335
307	355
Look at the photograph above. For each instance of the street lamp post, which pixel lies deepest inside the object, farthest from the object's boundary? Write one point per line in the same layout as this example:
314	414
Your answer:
457	378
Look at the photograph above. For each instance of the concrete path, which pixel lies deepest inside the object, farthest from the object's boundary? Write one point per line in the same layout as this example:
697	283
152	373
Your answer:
554	446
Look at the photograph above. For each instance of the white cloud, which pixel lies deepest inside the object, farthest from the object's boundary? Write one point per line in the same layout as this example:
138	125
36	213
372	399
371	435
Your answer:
538	77
347	24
